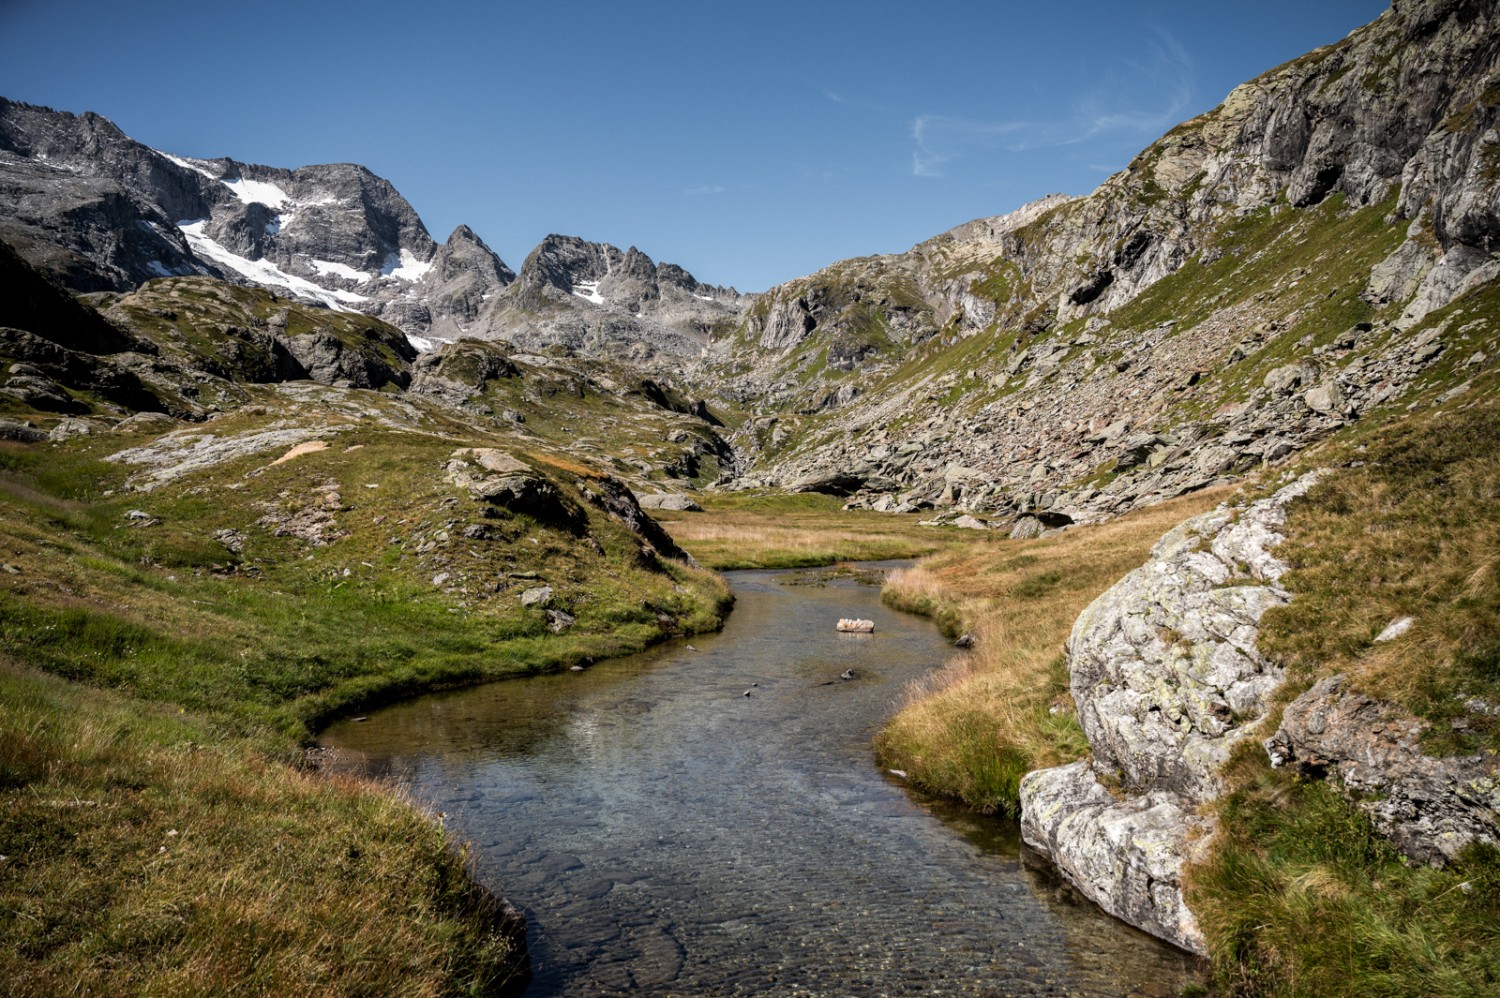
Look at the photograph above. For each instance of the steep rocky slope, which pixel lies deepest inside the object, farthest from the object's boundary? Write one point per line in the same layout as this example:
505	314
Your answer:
596	300
96	210
1250	282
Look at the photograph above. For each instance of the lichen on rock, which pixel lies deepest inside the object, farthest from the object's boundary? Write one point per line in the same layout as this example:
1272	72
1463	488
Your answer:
1166	678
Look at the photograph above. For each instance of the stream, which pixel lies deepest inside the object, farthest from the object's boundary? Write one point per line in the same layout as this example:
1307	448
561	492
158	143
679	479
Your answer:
665	833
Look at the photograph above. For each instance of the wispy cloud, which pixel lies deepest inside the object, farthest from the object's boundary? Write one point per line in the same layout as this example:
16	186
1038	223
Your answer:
1162	72
938	139
704	190
841	98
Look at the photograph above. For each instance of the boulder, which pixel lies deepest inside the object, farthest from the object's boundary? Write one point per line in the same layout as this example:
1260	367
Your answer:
670	501
146	422
495	477
1325	399
1166	679
537	596
1026	528
22	433
1131	852
1431	808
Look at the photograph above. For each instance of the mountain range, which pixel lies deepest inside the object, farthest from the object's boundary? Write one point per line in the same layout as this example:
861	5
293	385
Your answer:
231	388
1256	278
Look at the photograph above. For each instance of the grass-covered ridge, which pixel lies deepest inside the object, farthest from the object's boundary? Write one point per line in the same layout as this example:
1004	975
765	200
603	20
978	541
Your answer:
355	580
173	628
1300	895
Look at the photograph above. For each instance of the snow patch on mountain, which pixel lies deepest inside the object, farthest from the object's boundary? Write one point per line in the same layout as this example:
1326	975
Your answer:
258	192
189	164
405	267
326	267
262	271
589	290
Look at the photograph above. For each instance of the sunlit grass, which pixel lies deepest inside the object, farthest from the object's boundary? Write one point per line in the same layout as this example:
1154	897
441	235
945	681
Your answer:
1299	894
148	851
799	531
973	729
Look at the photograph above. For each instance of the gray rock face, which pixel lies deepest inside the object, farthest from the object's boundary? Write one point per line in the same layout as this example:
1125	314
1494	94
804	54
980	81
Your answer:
492	476
669	501
611	496
1166	679
1126	855
1431	808
596	299
445	303
97	210
90	207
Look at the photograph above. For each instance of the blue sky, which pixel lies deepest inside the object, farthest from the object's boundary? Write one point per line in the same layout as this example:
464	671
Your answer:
750	143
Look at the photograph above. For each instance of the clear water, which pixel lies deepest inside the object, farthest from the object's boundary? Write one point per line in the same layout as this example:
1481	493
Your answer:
666	834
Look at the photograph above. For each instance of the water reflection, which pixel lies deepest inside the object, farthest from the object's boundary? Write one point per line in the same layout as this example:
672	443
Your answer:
667	833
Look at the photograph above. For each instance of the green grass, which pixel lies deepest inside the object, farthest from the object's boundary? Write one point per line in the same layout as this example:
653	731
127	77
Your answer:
165	682
1412	531
772	530
286	634
1301	896
149	851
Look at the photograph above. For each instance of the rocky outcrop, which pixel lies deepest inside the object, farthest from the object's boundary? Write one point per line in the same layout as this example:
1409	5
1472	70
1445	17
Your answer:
611	496
597	300
1007	345
445	303
1166	679
495	477
1431	808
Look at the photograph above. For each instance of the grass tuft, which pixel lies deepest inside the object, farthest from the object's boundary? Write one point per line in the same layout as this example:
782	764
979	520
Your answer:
974	728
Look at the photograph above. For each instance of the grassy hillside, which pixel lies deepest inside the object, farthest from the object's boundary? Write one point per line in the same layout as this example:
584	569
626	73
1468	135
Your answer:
1299	894
184	604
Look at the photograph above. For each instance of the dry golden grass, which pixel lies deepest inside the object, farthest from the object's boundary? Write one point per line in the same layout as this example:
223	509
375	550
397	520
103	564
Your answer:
146	854
973	729
797	533
1413	530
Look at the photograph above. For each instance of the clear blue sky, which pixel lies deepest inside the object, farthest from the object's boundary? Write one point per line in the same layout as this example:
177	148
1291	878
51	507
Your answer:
750	143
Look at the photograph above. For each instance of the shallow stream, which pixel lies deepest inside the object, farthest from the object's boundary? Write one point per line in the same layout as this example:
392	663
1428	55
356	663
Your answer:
667	834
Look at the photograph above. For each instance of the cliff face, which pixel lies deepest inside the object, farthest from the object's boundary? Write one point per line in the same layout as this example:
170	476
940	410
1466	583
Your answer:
1088	355
597	300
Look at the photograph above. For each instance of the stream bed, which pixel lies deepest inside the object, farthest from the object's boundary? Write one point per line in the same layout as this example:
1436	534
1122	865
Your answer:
665	833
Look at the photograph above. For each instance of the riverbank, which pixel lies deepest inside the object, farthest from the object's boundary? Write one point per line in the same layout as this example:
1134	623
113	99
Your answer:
1301	891
166	654
971	730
